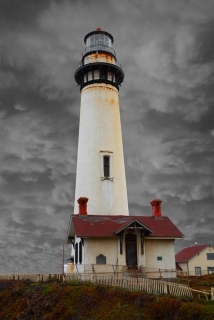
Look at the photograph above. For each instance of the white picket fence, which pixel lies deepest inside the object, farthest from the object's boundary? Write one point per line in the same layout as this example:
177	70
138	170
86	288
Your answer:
135	284
132	284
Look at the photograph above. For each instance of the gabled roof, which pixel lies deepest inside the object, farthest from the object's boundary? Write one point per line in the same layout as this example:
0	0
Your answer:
188	253
111	226
132	224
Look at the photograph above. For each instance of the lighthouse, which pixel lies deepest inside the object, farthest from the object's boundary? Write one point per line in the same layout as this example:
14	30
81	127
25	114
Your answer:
100	174
104	237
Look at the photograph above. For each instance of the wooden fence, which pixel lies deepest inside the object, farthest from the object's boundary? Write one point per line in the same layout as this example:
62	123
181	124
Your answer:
132	284
35	277
136	284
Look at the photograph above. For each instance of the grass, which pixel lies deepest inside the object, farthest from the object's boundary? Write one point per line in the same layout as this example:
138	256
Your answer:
76	300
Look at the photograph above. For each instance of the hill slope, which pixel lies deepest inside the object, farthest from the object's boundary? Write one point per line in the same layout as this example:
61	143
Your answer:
25	300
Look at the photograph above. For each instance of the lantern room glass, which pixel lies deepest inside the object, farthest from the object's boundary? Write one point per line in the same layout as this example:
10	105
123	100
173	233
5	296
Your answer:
98	39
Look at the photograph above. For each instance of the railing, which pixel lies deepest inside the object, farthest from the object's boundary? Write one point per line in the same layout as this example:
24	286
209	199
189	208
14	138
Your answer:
192	273
138	271
91	60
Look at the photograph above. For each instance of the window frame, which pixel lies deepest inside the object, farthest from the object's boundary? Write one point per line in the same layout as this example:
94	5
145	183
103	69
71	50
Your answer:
80	252
101	259
210	256
210	270
106	154
106	166
196	271
76	254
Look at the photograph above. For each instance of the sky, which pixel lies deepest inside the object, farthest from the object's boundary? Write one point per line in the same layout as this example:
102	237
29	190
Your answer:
167	113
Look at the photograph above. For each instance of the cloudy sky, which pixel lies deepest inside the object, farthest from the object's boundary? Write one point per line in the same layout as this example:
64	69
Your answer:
167	111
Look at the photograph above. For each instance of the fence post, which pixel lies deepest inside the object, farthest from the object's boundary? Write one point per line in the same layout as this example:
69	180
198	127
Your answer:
167	288
212	293
114	271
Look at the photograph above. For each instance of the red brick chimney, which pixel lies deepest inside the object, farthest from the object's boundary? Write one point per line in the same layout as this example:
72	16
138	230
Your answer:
82	206
156	208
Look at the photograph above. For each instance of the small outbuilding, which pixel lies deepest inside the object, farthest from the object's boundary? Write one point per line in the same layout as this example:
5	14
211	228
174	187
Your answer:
195	260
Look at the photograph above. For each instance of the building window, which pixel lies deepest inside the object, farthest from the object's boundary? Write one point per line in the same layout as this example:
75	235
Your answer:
159	258
106	166
101	259
80	252
210	270
210	256
198	271
76	252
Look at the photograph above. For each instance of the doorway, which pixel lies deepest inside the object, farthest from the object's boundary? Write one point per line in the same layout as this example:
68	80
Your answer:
131	251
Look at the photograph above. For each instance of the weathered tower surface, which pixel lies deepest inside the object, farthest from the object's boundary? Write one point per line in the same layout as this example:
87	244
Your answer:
100	161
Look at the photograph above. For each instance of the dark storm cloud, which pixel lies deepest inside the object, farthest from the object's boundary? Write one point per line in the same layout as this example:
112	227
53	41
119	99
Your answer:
21	12
167	116
205	43
16	185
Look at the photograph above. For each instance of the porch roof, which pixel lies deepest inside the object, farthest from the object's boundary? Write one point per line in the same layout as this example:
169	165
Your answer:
111	226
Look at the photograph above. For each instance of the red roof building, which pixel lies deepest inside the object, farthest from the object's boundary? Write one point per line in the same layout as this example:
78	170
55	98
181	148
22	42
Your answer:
195	260
188	253
111	226
142	242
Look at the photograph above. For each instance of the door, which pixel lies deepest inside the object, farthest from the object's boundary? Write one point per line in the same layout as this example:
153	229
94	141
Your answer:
131	251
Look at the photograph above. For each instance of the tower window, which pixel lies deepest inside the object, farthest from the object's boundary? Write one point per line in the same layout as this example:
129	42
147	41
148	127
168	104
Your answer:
106	166
110	76
102	74
90	76
96	74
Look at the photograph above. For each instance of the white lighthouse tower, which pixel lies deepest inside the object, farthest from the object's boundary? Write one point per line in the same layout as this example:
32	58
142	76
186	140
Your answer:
104	237
100	162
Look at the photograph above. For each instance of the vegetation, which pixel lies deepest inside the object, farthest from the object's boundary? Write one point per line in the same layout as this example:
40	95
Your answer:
198	282
25	300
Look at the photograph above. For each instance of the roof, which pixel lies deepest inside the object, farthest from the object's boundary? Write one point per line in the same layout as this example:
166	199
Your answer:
178	267
111	226
188	253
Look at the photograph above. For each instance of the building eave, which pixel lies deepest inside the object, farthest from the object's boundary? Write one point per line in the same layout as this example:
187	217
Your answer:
130	223
71	231
163	238
98	237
